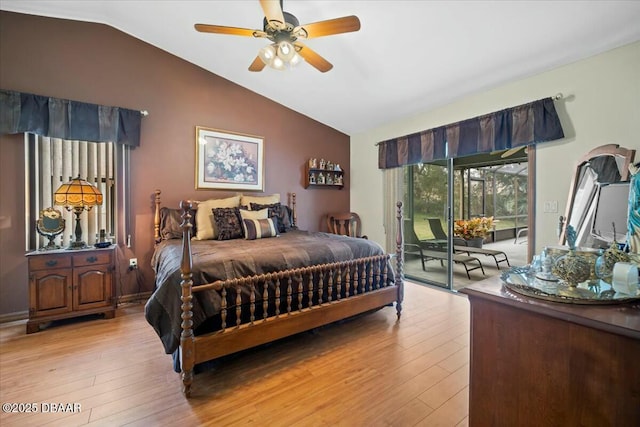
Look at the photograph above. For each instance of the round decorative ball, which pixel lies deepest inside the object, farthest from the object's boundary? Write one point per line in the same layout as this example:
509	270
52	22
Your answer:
572	268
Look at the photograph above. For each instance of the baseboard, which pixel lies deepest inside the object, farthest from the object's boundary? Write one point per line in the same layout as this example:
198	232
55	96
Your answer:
12	317
126	299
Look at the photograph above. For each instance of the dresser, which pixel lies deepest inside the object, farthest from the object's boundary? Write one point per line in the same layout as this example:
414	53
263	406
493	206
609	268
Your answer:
540	363
70	283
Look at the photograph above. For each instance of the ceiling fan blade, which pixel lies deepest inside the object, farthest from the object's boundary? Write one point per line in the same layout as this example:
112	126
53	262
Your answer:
273	13
257	64
219	29
511	151
346	24
313	58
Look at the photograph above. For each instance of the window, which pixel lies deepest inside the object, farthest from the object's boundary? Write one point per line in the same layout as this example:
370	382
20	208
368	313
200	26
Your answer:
52	162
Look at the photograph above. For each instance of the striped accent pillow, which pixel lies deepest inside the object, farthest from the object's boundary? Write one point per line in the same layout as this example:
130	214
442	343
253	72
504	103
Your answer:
259	228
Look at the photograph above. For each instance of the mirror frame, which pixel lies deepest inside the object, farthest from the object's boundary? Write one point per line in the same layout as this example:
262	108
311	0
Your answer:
627	155
50	233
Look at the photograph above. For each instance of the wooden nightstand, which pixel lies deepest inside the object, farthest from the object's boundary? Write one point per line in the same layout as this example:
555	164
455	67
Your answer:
70	283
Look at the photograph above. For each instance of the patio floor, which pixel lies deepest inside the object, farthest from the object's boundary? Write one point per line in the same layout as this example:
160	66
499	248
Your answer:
516	253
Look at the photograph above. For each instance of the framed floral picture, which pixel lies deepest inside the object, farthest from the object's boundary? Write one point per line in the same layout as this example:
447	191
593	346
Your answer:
229	161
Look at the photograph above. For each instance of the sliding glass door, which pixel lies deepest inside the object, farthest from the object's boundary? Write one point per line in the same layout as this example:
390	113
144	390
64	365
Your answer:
439	193
426	224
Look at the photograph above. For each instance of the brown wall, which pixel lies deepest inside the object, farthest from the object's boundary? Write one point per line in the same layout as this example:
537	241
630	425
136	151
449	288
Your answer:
97	64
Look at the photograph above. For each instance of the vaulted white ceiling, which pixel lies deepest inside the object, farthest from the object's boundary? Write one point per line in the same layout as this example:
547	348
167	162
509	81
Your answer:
408	57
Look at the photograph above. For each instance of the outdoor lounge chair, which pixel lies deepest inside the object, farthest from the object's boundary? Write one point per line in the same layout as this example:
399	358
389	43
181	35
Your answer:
425	252
460	244
498	256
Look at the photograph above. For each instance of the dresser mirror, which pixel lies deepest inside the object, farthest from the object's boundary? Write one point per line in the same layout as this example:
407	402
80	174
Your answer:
50	224
604	165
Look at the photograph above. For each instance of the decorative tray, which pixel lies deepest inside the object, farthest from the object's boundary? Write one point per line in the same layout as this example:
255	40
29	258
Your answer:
549	288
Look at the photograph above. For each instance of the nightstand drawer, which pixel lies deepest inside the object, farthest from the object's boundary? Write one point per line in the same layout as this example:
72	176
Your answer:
92	258
46	262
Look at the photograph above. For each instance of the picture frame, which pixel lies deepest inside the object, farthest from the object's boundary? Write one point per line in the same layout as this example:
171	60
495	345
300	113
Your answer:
228	160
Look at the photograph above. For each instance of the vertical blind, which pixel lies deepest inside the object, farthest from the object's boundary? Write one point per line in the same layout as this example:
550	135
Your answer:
525	124
60	161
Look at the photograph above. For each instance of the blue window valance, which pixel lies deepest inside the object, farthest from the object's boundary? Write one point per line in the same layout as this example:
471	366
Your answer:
62	118
525	124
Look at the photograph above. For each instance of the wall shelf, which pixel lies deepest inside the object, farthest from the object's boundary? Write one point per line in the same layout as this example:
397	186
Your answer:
323	178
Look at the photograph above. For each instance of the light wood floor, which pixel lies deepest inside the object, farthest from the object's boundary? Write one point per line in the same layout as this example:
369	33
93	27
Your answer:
370	371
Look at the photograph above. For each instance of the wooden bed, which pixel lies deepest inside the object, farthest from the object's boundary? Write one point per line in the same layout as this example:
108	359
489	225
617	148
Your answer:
259	308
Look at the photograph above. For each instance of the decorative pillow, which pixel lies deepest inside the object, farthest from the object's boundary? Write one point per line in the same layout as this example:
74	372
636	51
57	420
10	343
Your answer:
170	220
255	214
228	223
281	212
259	228
263	200
204	216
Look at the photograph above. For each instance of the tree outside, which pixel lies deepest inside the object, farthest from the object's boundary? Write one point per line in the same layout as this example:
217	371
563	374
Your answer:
498	191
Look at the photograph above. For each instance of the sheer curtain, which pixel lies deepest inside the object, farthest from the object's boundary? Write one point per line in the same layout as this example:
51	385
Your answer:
56	161
393	191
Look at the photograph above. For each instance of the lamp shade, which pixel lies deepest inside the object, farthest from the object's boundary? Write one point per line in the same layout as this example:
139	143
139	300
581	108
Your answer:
267	54
77	194
286	51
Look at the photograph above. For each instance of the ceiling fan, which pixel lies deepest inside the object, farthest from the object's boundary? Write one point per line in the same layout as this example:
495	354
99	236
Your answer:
285	32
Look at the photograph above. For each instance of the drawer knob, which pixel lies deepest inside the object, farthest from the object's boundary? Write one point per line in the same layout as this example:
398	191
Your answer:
51	262
92	259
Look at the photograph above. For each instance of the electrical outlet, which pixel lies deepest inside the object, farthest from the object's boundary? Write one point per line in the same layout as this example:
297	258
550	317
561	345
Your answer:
133	263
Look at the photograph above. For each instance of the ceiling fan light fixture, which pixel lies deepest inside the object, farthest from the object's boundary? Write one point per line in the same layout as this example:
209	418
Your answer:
278	63
267	54
286	51
295	60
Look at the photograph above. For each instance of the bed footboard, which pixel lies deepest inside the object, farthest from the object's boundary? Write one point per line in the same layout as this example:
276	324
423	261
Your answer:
283	303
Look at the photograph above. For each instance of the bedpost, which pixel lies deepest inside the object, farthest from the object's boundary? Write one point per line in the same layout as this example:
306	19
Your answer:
156	219
399	258
294	214
187	350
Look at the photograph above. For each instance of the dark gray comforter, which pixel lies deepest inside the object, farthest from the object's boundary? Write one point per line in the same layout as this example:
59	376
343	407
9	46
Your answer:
220	260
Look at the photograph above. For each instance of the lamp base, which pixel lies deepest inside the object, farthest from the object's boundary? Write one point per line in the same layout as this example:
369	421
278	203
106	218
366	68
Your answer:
77	245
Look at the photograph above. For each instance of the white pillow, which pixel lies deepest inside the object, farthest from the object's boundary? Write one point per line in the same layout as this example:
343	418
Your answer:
206	228
263	200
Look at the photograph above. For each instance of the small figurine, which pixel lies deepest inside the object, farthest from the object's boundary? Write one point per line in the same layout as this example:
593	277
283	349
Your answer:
633	224
338	180
312	178
313	163
337	167
322	163
329	166
321	178
571	237
329	179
